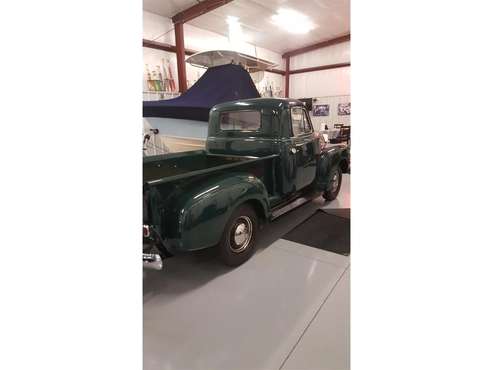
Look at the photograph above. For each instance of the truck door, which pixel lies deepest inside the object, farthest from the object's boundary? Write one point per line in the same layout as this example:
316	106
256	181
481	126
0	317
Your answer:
303	148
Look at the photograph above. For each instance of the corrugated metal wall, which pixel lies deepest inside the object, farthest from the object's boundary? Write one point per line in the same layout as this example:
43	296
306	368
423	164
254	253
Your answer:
334	117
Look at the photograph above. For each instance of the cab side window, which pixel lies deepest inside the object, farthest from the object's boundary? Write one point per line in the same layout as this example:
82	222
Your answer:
297	121
308	125
300	122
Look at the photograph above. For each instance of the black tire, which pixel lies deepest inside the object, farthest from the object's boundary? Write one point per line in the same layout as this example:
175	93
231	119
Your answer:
332	190
243	224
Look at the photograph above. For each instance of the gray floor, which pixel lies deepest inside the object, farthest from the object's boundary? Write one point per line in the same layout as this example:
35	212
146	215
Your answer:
286	308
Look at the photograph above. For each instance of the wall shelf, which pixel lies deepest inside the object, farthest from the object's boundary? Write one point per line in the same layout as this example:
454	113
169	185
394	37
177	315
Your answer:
149	95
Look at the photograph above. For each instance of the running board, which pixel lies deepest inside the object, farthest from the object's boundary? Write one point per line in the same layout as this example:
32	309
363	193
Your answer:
302	198
290	206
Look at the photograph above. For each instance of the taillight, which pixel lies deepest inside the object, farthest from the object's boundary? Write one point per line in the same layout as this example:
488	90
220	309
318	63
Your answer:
146	231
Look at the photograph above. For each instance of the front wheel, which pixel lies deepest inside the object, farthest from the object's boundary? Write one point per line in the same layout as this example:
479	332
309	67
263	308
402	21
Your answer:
334	185
238	240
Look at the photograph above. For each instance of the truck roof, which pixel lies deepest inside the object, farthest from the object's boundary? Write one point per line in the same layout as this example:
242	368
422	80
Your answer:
256	103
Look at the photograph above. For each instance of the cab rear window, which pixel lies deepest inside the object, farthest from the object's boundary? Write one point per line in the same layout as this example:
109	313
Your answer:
240	120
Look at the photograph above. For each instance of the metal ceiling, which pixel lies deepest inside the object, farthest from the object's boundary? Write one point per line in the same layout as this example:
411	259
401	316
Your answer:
332	19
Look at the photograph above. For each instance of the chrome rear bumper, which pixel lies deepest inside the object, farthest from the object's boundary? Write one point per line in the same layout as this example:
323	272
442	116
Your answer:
152	261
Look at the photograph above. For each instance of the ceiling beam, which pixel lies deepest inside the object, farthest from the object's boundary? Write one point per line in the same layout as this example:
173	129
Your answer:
162	46
276	71
198	9
318	45
320	68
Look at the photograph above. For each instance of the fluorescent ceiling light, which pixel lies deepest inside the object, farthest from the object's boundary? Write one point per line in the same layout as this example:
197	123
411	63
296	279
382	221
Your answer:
235	33
232	20
234	27
292	21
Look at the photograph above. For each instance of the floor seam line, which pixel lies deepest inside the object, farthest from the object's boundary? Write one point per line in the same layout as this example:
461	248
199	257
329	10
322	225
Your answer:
332	214
313	318
309	257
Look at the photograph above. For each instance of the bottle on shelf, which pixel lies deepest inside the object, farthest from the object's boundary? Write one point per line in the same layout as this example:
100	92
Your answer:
166	84
170	76
155	79
150	83
161	81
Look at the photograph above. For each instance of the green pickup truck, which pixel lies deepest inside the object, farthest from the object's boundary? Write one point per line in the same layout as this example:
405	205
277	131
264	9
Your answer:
262	159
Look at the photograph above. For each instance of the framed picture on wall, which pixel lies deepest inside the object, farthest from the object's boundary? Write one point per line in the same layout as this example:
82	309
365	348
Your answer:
321	110
344	109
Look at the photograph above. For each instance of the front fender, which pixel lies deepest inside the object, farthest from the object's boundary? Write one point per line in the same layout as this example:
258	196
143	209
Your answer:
327	160
203	210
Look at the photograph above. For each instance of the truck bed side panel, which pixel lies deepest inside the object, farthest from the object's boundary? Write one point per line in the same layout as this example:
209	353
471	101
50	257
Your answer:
186	163
253	179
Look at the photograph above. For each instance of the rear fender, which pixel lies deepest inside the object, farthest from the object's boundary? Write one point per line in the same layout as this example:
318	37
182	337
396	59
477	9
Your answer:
153	209
203	211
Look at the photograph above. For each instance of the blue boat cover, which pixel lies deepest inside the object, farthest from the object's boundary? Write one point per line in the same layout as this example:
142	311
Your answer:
217	85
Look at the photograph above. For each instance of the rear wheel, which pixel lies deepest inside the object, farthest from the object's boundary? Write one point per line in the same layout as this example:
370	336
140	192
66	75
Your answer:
238	240
334	185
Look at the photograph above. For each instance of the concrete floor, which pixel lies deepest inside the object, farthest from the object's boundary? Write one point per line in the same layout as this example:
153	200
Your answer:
285	308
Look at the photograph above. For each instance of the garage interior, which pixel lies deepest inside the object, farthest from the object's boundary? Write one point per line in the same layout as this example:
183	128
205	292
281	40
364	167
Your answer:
287	307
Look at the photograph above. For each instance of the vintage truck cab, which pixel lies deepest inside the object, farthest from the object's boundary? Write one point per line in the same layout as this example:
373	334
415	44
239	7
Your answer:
262	158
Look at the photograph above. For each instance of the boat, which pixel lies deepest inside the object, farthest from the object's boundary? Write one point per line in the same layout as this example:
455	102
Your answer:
180	124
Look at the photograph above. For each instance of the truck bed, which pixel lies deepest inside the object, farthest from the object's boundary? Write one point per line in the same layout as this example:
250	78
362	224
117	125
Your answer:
171	167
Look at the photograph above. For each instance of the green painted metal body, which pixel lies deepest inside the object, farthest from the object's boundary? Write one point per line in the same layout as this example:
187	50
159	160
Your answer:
189	197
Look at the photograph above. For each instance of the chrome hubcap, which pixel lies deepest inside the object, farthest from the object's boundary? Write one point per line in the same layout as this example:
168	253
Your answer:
334	182
241	234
